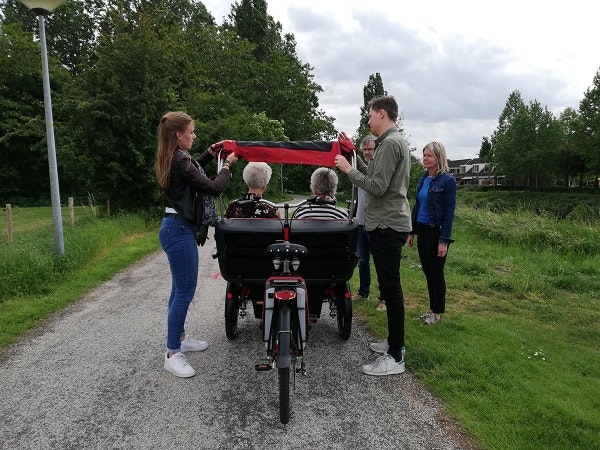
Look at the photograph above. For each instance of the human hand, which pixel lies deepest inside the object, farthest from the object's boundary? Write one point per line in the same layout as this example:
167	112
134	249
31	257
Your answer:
410	240
232	158
342	136
442	249
342	163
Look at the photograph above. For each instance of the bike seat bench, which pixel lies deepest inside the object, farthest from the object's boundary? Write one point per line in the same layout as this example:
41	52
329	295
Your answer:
242	244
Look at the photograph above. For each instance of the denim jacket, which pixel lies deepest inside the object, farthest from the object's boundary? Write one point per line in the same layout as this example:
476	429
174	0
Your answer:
441	202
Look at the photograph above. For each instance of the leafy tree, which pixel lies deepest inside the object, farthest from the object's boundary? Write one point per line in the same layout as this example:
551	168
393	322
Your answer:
114	108
486	148
527	142
571	163
72	29
252	22
23	145
277	82
372	89
587	130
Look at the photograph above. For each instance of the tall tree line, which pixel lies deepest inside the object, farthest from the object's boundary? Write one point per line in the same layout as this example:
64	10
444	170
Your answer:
116	67
532	147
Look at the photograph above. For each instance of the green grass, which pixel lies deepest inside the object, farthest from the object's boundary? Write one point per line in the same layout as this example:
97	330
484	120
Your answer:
35	283
516	358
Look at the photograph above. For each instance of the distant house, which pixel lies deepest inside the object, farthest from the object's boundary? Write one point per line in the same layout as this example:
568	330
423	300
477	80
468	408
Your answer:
474	171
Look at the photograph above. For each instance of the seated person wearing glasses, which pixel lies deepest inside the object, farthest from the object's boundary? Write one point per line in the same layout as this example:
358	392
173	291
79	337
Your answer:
256	175
323	184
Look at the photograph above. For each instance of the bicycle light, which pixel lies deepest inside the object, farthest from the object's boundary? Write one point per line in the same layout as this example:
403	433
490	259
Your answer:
277	262
295	263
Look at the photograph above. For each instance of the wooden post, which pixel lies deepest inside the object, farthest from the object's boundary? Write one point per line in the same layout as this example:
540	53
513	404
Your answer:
108	208
71	212
9	226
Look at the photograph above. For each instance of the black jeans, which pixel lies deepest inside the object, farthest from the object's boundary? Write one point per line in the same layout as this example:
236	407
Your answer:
433	266
386	248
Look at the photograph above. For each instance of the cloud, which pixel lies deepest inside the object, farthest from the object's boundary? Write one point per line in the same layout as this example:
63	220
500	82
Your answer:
451	66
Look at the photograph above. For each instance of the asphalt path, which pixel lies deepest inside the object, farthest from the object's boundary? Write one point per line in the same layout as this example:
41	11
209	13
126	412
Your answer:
92	377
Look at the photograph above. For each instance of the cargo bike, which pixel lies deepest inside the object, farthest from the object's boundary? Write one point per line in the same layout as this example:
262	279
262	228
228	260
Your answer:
286	269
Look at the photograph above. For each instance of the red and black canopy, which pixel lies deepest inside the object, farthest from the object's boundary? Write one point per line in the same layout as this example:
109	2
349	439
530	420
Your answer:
313	153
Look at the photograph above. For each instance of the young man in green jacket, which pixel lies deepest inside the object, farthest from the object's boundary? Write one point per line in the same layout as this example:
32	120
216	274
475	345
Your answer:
387	221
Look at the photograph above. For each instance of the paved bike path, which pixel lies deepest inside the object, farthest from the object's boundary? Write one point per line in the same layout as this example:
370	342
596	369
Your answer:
91	377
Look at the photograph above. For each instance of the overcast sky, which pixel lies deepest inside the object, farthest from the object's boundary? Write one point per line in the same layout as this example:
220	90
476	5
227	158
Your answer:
450	64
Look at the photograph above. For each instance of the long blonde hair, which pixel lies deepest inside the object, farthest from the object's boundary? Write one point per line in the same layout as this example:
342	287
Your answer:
439	151
170	124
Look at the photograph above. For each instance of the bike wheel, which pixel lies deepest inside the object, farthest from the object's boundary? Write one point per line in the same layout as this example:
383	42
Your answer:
284	395
232	313
344	317
285	356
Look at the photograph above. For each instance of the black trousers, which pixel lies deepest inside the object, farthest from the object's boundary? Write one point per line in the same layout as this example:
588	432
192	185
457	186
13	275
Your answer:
433	266
386	248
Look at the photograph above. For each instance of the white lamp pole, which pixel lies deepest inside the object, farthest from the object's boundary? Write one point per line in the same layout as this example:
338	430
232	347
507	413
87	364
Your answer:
42	8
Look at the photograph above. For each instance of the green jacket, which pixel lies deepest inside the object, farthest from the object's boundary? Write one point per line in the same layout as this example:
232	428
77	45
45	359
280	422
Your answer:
386	180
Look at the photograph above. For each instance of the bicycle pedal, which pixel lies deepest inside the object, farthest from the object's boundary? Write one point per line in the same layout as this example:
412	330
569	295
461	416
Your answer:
262	367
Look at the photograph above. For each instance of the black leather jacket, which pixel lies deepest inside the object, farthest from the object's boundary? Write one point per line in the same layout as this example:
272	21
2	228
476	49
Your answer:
188	183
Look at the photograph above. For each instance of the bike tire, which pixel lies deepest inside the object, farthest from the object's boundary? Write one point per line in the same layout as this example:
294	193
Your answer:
232	313
284	395
284	372
344	317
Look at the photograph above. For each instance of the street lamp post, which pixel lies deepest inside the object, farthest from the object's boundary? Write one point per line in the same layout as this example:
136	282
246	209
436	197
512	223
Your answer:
42	8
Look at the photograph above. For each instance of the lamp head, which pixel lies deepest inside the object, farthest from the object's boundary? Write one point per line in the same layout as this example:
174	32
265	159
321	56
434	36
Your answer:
42	7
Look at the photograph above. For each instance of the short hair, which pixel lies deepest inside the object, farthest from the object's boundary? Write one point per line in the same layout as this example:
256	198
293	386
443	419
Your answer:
257	174
368	138
386	102
438	149
323	181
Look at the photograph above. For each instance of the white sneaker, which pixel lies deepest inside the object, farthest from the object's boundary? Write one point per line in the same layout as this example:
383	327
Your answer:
379	347
178	365
384	365
189	344
381	306
383	347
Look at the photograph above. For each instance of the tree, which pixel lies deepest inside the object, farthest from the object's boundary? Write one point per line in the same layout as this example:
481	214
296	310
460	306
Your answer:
23	147
486	148
527	143
372	89
250	20
72	29
587	129
571	164
117	67
114	106
277	82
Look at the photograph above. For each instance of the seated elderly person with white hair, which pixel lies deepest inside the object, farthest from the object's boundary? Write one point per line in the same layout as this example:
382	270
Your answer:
323	184
256	175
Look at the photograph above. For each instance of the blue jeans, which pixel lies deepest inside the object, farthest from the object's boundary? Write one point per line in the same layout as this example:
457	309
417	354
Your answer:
177	239
364	259
386	248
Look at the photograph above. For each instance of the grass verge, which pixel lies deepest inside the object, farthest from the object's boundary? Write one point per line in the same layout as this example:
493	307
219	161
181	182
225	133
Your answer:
516	358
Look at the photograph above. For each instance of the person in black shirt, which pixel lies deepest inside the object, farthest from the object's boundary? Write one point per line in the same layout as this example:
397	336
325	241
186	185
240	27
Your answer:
257	176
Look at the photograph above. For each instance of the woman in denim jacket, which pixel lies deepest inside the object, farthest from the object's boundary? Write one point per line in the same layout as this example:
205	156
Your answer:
432	218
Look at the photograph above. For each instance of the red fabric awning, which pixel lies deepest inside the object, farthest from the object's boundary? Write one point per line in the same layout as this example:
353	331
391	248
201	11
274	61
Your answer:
313	153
